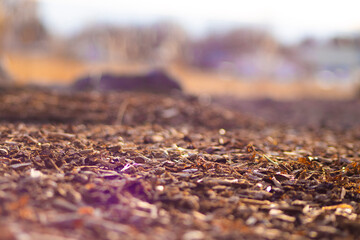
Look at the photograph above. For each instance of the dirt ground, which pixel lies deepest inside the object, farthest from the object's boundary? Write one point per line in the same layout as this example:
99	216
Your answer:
144	166
45	70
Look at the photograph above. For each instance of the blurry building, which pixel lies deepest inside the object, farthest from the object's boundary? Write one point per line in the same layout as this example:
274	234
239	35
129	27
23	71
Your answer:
247	53
336	60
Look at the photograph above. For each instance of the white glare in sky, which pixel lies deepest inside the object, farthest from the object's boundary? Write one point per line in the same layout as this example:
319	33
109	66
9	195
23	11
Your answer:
289	20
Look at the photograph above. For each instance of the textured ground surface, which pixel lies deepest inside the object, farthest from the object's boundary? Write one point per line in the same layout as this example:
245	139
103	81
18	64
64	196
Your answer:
140	166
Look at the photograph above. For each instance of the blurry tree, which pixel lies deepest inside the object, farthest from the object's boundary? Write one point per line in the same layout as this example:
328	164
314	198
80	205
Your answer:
20	29
159	43
4	22
20	26
216	48
308	42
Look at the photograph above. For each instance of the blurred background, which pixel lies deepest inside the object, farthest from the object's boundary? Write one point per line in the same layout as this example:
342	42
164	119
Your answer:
249	49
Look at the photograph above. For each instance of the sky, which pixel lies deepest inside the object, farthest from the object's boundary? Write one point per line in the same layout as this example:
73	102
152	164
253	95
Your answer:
288	20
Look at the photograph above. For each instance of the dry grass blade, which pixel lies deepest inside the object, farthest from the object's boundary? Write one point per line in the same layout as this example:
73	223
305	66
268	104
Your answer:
121	112
270	160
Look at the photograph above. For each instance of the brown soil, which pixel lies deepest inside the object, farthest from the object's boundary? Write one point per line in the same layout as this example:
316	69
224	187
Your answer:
143	166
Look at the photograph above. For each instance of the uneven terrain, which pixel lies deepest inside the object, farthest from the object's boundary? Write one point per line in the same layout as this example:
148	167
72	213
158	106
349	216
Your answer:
142	166
44	69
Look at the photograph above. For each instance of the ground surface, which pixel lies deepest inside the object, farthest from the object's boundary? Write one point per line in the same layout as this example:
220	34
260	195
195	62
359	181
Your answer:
44	69
140	166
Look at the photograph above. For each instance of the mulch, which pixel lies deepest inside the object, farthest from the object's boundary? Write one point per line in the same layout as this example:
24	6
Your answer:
144	166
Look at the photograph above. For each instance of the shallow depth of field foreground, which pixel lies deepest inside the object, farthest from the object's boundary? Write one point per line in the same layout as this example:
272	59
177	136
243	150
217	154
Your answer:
130	165
188	120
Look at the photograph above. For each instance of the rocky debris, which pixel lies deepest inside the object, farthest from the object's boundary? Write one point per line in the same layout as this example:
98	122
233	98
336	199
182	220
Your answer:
157	81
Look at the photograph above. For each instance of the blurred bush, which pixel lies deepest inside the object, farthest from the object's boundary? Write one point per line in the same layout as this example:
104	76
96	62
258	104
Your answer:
20	26
245	52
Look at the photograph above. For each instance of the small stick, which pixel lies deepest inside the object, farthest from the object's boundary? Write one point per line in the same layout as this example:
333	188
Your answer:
54	165
270	160
121	112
